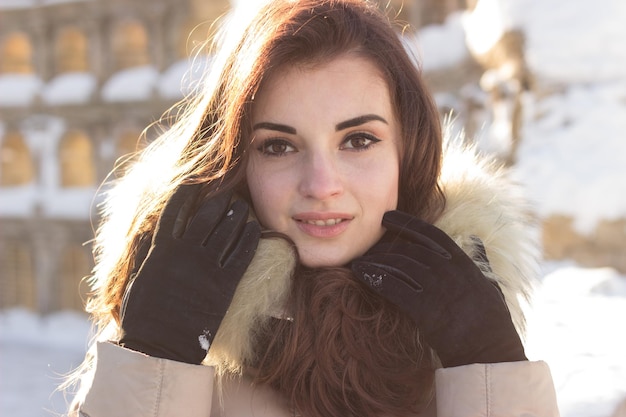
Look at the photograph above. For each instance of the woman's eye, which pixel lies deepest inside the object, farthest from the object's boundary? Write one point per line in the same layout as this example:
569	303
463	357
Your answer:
276	147
359	142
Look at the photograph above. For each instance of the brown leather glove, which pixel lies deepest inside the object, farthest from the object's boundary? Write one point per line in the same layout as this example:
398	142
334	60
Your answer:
460	313
182	290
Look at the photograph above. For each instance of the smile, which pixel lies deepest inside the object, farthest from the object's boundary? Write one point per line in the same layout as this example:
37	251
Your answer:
327	222
323	225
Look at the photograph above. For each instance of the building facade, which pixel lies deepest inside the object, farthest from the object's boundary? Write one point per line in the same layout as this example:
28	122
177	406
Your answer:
79	81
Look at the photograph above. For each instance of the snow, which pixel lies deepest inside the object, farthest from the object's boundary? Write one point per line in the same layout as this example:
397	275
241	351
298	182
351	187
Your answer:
16	4
182	77
581	132
36	353
575	327
578	43
21	4
171	80
70	88
44	195
426	44
572	158
18	90
481	36
133	84
572	161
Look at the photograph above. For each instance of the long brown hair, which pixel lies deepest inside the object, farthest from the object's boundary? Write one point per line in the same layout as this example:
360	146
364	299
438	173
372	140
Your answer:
345	351
375	363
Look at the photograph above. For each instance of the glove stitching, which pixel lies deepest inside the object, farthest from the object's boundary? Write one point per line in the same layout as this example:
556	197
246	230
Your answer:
159	387
488	389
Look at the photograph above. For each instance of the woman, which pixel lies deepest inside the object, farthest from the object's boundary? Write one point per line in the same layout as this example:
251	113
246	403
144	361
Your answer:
340	297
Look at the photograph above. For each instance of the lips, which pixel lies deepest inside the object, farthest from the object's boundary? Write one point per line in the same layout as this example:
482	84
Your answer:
323	225
328	222
322	218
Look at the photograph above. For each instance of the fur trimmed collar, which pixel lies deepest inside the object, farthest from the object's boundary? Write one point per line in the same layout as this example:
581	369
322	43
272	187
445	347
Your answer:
481	201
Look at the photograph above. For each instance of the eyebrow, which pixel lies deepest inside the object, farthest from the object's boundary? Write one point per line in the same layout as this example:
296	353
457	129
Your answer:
275	126
357	121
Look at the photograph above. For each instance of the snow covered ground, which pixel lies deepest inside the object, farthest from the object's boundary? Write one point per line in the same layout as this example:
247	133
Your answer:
572	160
35	354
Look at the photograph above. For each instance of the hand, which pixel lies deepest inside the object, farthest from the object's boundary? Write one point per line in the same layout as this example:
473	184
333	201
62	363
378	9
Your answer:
182	290
460	313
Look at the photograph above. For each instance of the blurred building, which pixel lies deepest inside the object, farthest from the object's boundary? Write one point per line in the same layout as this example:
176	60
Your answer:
79	81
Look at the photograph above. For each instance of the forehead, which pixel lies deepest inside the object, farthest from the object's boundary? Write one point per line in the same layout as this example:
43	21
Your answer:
345	84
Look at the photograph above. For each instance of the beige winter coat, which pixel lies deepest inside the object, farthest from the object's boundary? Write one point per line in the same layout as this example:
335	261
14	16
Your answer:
481	202
130	384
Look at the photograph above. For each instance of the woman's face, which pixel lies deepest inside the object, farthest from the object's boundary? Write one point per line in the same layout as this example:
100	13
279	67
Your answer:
324	158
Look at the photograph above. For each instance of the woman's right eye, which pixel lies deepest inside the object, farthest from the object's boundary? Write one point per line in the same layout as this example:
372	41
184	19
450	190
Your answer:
275	147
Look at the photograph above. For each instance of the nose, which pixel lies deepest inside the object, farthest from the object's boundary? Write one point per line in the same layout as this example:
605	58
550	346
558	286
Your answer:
320	177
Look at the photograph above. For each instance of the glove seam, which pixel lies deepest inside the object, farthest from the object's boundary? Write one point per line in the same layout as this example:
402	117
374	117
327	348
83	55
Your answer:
159	389
487	389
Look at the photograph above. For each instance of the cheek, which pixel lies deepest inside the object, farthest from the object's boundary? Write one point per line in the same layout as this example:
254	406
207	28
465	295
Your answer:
378	195
393	185
385	185
264	195
388	202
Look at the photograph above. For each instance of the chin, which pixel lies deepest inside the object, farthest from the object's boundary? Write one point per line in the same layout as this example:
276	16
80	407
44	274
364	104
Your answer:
321	261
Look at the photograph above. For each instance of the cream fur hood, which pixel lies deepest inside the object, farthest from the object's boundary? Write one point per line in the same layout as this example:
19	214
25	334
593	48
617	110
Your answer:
481	201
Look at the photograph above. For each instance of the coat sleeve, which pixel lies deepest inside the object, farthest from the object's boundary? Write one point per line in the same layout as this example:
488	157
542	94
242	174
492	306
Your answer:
510	389
128	383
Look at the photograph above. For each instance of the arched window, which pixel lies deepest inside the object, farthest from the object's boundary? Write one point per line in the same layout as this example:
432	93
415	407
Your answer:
130	45
17	286
71	51
71	289
128	143
16	163
76	160
193	35
199	27
16	53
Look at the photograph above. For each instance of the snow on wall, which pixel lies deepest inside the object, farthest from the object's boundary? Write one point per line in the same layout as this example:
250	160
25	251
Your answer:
70	88
45	195
439	46
486	24
133	84
183	77
573	158
43	133
582	42
17	90
573	154
23	4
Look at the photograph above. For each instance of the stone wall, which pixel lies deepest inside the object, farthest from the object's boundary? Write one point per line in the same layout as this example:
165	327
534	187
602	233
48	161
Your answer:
44	256
45	252
605	246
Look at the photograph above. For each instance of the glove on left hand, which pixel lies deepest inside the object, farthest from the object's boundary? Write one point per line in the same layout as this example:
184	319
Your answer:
460	313
181	292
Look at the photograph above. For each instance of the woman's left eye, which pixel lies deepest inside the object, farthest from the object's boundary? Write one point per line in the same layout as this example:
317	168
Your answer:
359	141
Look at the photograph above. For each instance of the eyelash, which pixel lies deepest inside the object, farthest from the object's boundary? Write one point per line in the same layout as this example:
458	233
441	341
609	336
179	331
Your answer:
268	143
370	139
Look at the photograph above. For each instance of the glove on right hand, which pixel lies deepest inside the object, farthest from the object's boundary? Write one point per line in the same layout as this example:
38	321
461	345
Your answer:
181	292
460	313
